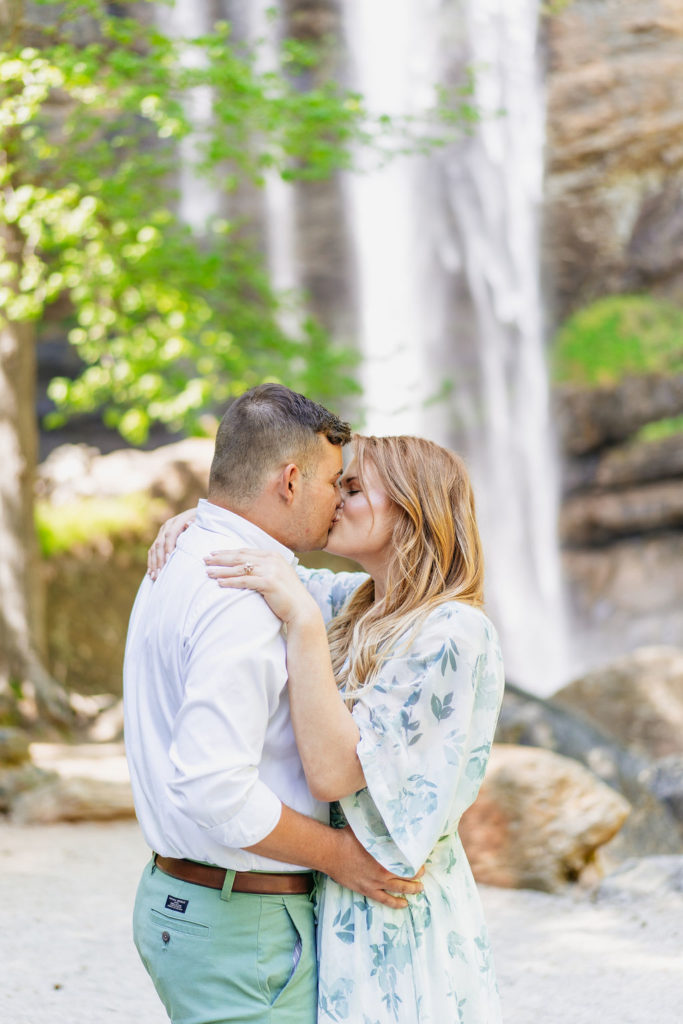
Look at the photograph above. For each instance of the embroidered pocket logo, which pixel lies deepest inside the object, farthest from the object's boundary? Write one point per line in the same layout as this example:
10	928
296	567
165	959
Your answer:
175	903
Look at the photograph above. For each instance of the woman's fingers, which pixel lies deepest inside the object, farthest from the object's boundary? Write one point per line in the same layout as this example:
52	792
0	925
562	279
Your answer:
236	556
166	540
243	563
236	579
155	555
240	582
238	569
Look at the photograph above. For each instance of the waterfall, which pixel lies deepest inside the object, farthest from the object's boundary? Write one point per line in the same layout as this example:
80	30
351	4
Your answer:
389	68
447	281
263	31
187	20
449	292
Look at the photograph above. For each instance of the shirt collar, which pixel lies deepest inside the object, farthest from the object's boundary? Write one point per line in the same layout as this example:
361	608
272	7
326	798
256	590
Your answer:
221	520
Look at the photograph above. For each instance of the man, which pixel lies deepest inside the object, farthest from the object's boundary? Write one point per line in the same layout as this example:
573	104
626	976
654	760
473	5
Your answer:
223	919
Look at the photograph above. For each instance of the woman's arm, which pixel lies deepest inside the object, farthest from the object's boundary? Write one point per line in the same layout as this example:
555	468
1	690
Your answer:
325	731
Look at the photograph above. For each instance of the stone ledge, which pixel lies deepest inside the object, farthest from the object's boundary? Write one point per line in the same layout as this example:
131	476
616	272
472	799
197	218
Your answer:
596	519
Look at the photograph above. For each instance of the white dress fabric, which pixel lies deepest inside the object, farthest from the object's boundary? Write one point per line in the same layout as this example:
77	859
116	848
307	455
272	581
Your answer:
426	731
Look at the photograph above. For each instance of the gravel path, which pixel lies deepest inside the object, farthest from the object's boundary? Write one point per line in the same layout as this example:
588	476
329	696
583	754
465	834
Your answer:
67	957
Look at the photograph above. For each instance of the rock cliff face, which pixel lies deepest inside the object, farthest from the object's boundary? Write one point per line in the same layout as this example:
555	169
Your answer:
614	209
621	527
614	223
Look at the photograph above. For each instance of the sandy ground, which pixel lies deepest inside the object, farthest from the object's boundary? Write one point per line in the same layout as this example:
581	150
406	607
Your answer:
66	953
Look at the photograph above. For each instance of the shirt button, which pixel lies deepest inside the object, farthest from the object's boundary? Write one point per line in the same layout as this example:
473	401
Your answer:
165	937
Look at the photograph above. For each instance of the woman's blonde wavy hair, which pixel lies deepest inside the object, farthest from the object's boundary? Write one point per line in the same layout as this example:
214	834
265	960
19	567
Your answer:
437	555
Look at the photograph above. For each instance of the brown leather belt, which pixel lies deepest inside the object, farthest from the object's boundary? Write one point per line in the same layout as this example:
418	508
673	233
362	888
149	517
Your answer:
291	883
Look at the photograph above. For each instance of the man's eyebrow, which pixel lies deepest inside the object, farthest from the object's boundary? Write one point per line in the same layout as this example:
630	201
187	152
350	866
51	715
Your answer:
338	474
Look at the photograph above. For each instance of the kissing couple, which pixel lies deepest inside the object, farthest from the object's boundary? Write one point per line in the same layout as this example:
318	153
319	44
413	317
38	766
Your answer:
302	743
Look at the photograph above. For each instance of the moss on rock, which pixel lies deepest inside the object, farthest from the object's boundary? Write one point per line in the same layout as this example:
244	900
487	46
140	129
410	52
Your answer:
619	336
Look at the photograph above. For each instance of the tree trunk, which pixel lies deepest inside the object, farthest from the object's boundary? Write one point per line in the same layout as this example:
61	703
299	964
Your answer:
21	606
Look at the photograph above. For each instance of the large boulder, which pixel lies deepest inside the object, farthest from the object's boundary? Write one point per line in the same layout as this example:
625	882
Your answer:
539	820
637	700
178	473
82	782
73	799
653	789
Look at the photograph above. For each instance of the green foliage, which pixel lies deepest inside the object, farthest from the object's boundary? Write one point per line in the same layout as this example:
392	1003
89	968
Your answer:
660	429
618	336
553	7
63	527
167	324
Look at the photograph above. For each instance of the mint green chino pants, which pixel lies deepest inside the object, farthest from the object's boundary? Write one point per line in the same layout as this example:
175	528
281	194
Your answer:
226	957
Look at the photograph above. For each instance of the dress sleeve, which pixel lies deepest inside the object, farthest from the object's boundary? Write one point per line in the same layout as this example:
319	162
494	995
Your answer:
426	730
330	589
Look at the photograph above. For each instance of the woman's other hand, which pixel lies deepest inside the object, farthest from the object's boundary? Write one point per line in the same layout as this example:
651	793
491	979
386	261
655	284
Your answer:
269	574
166	540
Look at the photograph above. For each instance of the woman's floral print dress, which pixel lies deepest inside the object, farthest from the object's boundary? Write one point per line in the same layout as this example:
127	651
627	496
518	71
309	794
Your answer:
426	731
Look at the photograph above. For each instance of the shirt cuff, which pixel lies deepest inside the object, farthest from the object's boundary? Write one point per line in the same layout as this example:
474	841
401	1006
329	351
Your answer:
256	819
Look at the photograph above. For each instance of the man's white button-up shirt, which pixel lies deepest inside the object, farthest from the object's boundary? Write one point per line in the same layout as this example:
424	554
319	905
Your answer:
209	738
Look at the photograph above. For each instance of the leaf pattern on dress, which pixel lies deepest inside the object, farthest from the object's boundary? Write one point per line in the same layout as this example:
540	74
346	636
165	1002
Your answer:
426	731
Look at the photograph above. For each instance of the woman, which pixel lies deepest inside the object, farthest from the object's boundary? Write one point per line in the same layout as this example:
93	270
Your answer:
419	668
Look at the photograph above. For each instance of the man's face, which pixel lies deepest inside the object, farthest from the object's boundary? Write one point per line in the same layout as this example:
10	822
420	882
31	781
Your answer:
318	499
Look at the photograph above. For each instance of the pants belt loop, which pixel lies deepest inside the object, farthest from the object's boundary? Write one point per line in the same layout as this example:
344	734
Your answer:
226	891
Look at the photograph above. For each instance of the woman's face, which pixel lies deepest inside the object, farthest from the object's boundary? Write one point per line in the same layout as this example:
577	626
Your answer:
365	528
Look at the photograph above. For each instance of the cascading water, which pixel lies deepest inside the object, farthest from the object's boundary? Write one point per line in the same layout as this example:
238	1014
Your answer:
263	31
449	292
187	20
387	67
495	194
447	282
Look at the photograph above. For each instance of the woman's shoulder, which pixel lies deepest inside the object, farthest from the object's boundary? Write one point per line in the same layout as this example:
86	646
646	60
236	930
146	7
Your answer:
330	589
457	620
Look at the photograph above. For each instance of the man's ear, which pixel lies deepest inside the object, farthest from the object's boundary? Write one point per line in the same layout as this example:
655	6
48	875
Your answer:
289	482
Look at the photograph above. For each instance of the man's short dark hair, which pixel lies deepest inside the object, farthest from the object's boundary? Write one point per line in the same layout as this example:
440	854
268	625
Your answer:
266	427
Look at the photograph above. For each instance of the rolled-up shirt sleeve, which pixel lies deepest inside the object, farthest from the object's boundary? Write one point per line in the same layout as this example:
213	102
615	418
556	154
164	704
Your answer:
233	687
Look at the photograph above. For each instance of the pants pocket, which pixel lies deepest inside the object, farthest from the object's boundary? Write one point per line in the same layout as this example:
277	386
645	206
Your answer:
167	925
173	952
279	948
